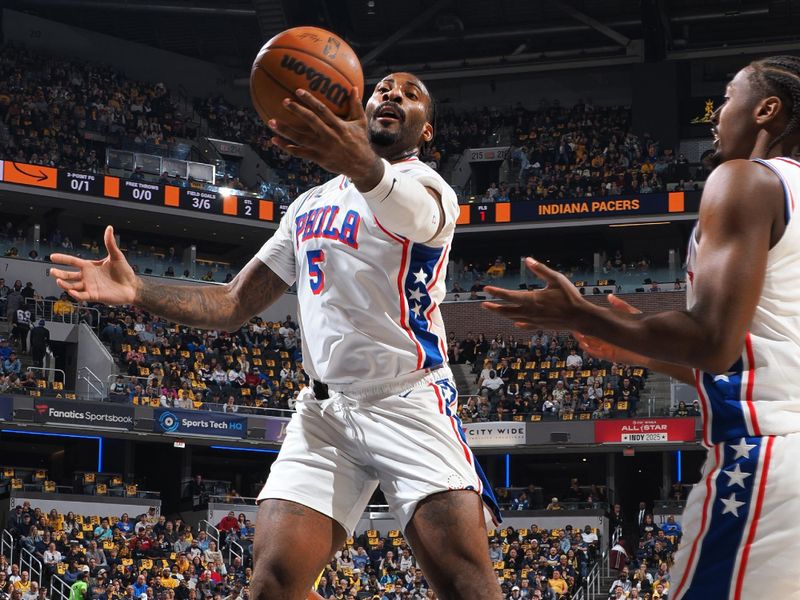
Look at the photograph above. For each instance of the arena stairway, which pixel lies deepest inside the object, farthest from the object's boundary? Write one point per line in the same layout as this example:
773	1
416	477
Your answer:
605	585
657	397
465	380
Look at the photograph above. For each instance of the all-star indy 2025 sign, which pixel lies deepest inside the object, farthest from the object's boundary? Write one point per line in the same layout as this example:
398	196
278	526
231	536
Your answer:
644	431
184	422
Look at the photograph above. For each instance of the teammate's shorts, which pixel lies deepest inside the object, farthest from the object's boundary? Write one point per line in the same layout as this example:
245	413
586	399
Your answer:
741	539
410	442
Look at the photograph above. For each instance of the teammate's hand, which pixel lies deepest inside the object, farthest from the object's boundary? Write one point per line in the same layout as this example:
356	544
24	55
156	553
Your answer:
109	280
607	351
557	306
338	145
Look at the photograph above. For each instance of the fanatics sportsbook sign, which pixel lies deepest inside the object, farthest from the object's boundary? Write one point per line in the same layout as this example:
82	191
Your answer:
644	431
83	414
501	433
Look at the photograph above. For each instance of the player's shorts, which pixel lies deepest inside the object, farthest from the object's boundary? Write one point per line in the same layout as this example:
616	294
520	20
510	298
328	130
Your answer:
404	435
741	539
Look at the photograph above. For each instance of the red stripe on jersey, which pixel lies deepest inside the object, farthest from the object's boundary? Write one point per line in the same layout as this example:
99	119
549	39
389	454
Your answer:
762	486
394	236
751	380
703	523
403	321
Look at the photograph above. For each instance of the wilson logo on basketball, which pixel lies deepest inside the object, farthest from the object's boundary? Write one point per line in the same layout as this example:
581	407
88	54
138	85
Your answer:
317	82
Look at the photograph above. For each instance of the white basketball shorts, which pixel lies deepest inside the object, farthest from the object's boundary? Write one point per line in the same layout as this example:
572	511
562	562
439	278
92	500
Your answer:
337	451
740	536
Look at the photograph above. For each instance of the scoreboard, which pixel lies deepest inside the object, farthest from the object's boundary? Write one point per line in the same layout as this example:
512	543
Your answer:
141	192
116	189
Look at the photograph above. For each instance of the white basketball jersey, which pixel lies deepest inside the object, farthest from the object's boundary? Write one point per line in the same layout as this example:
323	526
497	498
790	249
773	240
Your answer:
368	299
760	395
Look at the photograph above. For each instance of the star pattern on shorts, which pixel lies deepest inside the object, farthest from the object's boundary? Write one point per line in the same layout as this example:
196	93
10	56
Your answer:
415	309
737	476
420	276
742	449
415	294
447	391
731	505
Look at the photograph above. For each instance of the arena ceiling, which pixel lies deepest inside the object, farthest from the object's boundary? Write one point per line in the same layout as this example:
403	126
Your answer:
449	38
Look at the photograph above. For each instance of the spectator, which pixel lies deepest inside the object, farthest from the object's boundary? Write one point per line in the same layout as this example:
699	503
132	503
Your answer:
12	365
78	590
554	504
103	531
23	583
212	555
63	308
119	392
557	584
124	524
618	557
228	523
622	581
492	383
40	338
672	529
521	502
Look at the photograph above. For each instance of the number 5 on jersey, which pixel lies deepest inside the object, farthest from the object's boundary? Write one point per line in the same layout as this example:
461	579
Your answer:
316	276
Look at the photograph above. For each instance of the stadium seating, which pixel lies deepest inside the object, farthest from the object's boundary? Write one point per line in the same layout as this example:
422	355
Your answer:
151	552
48	103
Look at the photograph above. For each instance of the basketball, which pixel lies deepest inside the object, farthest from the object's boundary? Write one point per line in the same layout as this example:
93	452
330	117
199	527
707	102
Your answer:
304	57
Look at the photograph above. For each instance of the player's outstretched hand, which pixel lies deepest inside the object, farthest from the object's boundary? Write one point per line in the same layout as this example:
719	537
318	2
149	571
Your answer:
336	144
110	280
605	350
557	306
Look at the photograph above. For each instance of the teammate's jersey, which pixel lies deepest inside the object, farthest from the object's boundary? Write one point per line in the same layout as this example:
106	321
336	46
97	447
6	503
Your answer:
368	298
760	395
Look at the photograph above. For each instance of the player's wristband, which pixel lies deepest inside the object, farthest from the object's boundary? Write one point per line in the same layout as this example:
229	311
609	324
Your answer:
404	206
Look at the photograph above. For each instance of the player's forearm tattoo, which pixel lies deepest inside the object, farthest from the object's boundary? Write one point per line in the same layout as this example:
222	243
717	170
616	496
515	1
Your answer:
206	307
212	306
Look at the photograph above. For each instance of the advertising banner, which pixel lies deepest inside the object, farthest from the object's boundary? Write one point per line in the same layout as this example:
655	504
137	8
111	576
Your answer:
501	434
644	431
82	414
188	422
275	429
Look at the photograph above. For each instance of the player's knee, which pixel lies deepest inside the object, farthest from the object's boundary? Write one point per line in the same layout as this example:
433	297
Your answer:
273	579
475	587
466	576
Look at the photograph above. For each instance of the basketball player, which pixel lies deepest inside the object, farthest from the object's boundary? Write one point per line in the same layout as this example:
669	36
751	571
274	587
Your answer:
738	341
368	251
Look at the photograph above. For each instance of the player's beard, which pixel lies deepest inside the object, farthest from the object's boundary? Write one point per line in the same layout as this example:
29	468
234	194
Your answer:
383	137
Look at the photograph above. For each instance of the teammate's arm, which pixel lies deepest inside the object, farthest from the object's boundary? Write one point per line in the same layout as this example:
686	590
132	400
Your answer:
606	351
111	280
740	213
